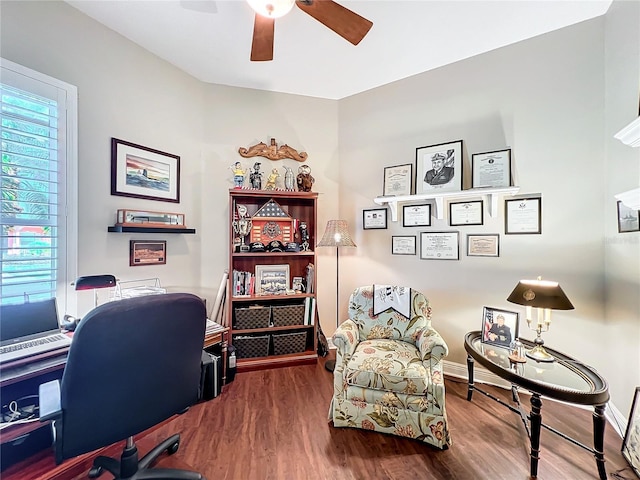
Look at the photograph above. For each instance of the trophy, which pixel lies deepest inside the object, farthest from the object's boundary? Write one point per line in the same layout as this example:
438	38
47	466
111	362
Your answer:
242	227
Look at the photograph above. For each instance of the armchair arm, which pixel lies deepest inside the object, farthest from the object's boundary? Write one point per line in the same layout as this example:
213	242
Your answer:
432	345
49	398
345	338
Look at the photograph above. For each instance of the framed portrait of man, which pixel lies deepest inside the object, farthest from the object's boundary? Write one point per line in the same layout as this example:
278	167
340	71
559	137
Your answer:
439	168
499	327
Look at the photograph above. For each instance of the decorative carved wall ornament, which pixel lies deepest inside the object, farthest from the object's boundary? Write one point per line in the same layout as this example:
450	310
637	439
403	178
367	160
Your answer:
272	152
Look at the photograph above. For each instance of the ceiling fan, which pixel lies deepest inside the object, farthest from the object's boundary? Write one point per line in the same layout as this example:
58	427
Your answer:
349	25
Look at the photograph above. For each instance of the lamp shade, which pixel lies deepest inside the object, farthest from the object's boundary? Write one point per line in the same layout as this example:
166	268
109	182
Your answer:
540	294
272	8
91	282
336	235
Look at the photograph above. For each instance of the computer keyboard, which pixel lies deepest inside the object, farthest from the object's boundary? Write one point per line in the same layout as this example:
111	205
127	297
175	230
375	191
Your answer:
31	343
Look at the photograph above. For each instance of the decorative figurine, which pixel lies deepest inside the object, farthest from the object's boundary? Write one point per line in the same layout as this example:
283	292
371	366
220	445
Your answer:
242	227
289	183
271	181
238	174
304	237
305	180
256	177
272	152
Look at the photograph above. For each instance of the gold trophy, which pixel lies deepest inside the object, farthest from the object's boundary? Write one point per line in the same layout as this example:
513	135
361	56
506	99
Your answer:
242	227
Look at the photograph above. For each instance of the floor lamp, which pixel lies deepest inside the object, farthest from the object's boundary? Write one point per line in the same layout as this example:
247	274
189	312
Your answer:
336	235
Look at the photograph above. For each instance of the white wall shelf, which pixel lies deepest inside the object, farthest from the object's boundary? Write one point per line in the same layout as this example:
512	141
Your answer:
489	194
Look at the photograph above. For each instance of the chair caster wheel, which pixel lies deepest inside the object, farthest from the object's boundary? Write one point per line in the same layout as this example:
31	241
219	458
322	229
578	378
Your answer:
95	472
173	448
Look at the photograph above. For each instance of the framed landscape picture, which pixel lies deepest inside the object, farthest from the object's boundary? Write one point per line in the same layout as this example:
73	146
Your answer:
439	168
147	252
272	279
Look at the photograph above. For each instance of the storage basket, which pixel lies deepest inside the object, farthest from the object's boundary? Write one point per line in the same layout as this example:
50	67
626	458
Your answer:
287	343
284	315
251	346
257	316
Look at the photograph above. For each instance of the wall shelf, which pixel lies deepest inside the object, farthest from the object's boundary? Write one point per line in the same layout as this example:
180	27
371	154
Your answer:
490	194
121	229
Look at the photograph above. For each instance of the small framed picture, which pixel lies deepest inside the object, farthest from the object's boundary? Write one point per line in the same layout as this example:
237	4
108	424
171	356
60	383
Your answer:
403	244
483	245
416	215
147	252
374	218
491	169
466	213
397	180
440	245
523	216
631	442
628	219
297	285
272	279
499	327
439	168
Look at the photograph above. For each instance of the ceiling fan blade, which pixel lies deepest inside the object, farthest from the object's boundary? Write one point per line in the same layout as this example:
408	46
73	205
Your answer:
262	46
349	25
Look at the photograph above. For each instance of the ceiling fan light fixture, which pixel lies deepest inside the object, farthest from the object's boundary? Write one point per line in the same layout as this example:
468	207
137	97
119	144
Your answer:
271	8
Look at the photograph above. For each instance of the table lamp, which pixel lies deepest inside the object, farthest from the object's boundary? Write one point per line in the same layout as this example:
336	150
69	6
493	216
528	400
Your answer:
544	296
94	282
336	234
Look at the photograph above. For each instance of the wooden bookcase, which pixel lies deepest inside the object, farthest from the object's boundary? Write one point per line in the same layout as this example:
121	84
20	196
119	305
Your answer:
301	206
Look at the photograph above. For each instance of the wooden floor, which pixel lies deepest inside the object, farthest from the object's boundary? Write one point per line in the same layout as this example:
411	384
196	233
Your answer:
272	424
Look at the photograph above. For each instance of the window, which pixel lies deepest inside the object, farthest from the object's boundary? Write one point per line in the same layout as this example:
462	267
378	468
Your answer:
38	218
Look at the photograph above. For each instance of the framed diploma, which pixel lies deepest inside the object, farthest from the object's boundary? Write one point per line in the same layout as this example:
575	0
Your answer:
439	245
466	213
491	169
403	245
375	218
416	215
487	245
523	216
397	180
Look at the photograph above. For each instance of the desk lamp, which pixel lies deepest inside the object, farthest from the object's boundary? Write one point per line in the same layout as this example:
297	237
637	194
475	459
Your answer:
544	296
336	235
94	282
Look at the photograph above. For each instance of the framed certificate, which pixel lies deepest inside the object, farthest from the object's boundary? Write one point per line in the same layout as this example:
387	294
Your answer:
374	218
491	169
487	245
439	245
397	180
403	244
416	215
466	213
523	216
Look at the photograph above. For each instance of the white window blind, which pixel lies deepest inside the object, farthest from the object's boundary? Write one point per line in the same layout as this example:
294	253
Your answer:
37	237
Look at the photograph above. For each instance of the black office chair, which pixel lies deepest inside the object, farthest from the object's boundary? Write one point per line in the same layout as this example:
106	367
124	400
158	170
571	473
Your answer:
132	364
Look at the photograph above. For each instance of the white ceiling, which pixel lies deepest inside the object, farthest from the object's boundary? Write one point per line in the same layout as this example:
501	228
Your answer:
211	39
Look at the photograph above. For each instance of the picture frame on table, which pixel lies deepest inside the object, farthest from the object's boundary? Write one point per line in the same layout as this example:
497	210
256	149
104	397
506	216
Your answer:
272	279
397	180
440	245
499	327
374	218
403	244
523	216
142	172
466	213
416	215
628	219
631	441
483	245
439	168
147	252
491	169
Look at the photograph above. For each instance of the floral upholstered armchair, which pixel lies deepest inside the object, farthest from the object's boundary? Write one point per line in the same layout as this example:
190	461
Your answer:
388	375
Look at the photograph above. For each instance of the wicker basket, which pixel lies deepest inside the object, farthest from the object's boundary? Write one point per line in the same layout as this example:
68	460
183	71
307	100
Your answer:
285	315
252	317
251	346
287	343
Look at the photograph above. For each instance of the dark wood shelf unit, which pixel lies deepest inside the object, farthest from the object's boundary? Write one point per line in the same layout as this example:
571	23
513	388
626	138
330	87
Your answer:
121	229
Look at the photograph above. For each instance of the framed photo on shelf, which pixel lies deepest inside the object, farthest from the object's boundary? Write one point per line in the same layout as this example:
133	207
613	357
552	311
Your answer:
374	218
397	180
631	442
440	245
147	252
403	245
483	245
439	168
142	172
499	327
628	219
272	279
491	169
523	216
416	215
466	213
